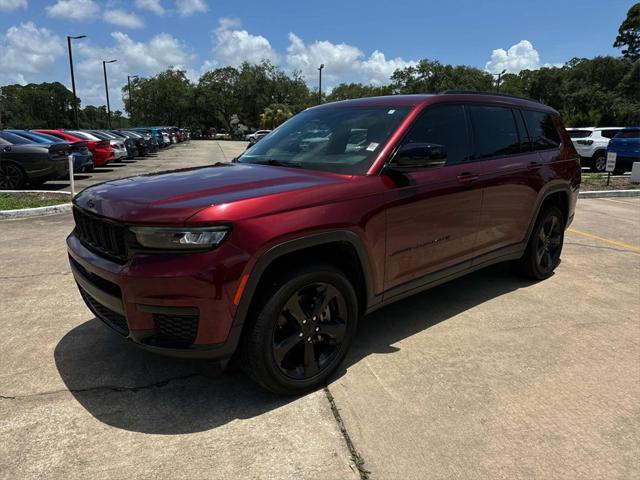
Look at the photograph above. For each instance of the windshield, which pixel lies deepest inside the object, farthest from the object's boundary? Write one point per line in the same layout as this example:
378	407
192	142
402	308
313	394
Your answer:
340	140
15	139
629	134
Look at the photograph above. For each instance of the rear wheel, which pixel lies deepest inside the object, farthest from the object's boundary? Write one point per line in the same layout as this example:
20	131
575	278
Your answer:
542	255
12	177
303	331
599	162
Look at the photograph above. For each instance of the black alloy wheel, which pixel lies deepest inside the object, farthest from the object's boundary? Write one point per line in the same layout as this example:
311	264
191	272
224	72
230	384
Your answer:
549	243
301	329
11	177
542	255
310	330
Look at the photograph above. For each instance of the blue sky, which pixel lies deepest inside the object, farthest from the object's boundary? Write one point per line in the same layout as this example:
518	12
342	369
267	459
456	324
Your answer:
357	41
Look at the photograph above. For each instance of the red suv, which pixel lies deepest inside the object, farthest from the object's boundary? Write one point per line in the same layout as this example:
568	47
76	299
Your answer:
343	209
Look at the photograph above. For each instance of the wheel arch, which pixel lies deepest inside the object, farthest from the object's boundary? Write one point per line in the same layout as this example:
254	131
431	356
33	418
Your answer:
558	195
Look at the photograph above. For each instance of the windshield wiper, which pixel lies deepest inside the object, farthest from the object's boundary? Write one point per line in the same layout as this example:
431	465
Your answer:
277	163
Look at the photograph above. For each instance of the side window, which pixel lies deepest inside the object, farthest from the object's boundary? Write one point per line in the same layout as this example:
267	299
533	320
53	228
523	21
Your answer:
443	125
494	131
542	130
609	133
525	141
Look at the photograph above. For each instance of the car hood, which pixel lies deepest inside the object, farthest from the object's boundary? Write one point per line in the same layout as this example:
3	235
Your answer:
172	197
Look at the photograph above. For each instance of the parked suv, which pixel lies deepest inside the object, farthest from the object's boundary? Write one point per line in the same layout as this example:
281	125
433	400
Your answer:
273	258
626	147
591	144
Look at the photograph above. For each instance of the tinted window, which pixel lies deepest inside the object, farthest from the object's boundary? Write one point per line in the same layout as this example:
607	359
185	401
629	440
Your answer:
609	133
494	130
443	125
15	139
629	134
581	133
542	131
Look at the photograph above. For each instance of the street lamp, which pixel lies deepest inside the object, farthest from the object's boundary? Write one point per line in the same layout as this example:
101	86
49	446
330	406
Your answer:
106	89
73	80
320	83
499	77
129	77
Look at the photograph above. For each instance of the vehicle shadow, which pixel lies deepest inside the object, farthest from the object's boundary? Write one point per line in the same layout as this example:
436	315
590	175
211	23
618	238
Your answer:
131	389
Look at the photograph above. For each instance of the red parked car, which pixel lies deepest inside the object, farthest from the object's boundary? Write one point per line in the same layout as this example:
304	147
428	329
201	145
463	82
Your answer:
343	209
102	151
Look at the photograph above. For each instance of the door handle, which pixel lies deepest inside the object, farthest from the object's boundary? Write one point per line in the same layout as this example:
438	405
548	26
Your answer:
467	177
533	166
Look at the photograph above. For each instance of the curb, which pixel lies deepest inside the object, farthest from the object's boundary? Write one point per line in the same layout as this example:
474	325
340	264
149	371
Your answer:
37	211
609	193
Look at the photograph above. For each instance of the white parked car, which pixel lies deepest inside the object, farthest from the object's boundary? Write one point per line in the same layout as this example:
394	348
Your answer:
591	144
255	136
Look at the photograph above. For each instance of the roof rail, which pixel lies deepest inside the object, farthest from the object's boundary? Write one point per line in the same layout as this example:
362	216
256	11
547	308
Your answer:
478	92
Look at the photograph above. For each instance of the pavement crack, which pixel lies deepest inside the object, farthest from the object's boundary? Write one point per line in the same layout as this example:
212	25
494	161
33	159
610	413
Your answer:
31	275
356	458
105	388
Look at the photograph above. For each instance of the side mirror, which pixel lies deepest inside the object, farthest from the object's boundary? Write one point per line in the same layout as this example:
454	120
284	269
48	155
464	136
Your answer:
417	156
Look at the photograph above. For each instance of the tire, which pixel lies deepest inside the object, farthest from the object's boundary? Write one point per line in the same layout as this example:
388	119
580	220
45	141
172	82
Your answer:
599	162
542	254
302	331
12	177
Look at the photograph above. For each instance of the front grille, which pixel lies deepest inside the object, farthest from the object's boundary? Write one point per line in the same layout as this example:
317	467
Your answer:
113	319
176	330
103	236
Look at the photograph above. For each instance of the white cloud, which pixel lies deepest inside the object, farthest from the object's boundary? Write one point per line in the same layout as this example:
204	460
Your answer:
521	56
186	8
10	5
27	50
134	58
342	62
378	70
74	9
152	5
234	46
123	19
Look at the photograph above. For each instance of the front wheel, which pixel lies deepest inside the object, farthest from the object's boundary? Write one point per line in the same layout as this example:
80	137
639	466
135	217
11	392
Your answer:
303	331
542	255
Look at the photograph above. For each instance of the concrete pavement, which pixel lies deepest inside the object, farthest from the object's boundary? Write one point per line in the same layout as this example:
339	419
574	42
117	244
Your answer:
489	376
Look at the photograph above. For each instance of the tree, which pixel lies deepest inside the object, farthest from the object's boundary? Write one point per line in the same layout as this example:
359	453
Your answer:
431	76
274	115
629	34
345	91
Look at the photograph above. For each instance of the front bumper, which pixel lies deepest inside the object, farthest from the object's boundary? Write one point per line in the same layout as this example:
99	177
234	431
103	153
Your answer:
167	304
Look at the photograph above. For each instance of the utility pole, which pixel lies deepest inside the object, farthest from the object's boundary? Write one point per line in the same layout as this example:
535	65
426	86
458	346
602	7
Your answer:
320	84
73	80
106	89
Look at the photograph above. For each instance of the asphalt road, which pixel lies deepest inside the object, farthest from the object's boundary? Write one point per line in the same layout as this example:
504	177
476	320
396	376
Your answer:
489	376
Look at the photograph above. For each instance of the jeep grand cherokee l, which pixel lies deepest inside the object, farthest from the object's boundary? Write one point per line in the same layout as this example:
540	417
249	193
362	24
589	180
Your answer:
273	258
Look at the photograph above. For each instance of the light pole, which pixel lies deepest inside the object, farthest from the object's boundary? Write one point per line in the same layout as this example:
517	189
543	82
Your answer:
73	80
320	83
106	89
129	77
499	78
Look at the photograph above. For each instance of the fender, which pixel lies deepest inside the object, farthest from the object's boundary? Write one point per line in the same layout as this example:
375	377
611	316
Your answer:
564	188
290	246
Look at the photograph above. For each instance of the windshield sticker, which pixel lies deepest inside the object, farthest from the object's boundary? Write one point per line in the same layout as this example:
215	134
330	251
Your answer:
372	147
391	112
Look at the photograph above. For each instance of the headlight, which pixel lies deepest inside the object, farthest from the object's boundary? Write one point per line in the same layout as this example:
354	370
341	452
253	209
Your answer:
180	238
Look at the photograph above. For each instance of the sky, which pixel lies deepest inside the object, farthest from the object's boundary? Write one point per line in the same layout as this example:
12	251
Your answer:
361	41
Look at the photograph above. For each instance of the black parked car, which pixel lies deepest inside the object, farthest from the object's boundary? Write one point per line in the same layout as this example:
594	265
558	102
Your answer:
22	161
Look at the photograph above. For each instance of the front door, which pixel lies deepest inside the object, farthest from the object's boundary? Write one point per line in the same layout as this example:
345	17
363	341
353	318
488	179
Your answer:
433	214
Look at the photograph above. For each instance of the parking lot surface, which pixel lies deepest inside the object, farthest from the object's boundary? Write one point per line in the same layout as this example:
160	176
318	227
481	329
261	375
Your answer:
488	376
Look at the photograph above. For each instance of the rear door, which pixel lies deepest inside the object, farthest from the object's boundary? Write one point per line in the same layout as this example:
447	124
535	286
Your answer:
432	214
510	177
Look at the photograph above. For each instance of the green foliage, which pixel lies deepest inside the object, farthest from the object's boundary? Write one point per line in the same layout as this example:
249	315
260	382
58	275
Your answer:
345	91
431	76
47	105
629	34
274	115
